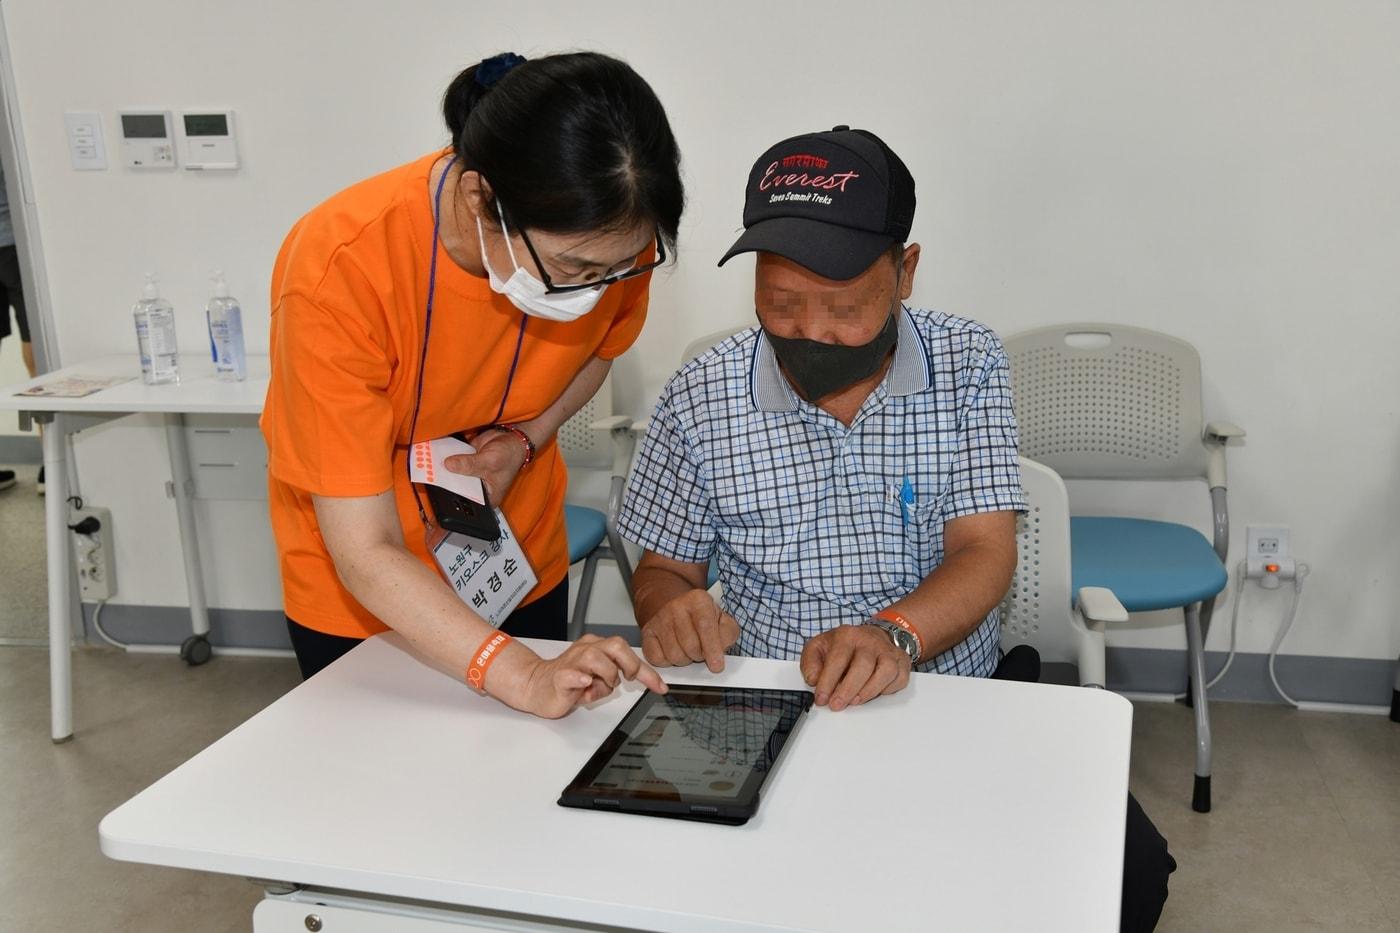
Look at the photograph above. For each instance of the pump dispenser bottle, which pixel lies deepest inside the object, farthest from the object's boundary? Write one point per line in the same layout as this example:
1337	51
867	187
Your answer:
226	332
155	335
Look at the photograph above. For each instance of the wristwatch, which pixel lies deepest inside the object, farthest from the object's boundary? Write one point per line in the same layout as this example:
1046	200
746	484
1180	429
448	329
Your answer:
903	639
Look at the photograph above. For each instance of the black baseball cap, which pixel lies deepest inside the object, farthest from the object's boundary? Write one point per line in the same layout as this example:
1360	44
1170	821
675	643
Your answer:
831	202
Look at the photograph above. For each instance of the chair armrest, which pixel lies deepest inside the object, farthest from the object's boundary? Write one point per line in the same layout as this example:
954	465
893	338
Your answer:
1216	438
624	441
1223	430
1099	604
611	424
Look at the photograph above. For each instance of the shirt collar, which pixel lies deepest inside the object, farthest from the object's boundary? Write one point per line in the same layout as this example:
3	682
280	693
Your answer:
908	373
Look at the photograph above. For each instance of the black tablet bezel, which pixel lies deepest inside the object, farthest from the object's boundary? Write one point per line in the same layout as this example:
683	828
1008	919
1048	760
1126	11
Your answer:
581	792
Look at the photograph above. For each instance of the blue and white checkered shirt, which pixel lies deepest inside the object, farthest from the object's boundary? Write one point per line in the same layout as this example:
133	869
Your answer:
809	520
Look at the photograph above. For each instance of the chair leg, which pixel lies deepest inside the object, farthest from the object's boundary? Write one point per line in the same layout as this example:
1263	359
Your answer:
1207	611
615	545
1195	645
619	557
585	590
1092	665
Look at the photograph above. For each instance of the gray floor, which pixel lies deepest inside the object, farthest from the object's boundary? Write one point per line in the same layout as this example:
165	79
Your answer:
24	601
1305	833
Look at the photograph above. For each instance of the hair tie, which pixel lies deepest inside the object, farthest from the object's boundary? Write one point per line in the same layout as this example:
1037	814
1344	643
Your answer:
493	69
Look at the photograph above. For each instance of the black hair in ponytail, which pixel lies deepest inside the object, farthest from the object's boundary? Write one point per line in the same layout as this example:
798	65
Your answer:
570	143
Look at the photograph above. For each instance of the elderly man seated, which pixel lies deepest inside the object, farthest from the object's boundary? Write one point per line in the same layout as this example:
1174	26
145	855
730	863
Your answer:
849	464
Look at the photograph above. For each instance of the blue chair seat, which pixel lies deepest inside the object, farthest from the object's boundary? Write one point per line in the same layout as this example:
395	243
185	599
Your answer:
586	527
1148	565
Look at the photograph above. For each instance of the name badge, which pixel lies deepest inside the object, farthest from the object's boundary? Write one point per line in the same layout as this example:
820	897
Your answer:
491	577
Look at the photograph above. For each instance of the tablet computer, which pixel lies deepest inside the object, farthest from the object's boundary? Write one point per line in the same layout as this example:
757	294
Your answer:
697	752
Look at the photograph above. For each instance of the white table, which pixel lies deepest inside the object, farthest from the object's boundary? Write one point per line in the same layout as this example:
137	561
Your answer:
197	392
383	795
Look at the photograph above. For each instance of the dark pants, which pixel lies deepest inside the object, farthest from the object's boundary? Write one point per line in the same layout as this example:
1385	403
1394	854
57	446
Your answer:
12	294
546	617
1146	861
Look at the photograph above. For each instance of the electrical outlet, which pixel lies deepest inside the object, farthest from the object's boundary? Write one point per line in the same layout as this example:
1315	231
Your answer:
97	566
1268	554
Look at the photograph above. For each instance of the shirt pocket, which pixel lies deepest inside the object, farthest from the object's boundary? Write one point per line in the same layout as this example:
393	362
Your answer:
905	539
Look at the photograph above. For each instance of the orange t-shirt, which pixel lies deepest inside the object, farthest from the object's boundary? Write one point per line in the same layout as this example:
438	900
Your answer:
349	298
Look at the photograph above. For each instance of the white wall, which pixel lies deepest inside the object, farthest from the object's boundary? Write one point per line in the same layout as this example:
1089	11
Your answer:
1224	172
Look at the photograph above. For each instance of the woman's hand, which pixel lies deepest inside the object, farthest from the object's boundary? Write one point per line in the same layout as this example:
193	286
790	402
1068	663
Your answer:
588	670
498	458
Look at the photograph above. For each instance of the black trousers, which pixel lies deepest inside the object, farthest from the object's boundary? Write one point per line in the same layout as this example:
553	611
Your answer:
12	294
1146	861
546	617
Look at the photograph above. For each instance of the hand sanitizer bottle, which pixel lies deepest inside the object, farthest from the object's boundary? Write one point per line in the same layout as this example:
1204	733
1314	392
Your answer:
155	335
226	332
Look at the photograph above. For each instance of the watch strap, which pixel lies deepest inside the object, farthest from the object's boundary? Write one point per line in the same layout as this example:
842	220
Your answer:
890	615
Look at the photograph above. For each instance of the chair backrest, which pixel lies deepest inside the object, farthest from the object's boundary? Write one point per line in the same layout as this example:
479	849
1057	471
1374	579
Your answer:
1105	401
701	344
1036	610
583	447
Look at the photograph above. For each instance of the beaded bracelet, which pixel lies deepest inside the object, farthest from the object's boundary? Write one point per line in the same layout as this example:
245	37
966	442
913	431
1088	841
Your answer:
524	439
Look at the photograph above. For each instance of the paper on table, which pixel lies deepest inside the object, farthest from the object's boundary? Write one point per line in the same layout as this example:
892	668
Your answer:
74	386
426	466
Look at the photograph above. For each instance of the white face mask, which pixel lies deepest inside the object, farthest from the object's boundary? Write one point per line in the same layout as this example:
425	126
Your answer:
528	293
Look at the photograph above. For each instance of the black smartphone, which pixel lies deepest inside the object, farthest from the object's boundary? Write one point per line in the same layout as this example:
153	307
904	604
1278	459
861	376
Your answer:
462	515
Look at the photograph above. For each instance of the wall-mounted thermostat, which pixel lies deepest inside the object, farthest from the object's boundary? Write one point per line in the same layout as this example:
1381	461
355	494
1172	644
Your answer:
148	138
208	140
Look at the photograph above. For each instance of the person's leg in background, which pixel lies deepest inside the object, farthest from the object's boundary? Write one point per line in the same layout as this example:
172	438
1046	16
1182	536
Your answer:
7	477
1146	866
12	296
546	617
316	650
1146	861
26	350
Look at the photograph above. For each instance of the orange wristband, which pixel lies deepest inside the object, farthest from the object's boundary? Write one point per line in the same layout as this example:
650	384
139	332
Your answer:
485	654
889	615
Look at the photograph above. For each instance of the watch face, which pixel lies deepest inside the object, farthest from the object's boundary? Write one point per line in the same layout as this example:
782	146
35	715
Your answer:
903	640
906	643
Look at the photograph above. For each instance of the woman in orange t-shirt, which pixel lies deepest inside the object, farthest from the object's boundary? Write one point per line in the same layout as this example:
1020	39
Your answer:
481	291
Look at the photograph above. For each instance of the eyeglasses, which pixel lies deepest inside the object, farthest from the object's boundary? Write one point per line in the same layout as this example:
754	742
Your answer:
603	282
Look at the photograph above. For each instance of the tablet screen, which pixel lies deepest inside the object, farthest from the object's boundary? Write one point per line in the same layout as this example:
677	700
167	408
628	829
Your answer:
694	744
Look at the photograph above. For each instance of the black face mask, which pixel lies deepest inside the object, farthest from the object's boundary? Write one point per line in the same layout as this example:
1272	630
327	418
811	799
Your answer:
818	369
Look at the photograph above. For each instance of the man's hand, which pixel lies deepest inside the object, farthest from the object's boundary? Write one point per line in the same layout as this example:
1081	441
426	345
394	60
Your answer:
853	664
498	458
588	670
689	628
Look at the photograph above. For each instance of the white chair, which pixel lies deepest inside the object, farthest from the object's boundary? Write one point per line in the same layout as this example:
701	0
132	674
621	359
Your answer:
1106	401
596	439
701	344
1040	609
